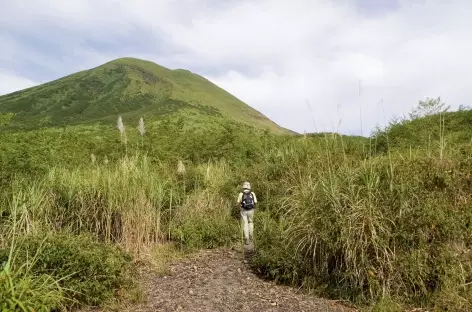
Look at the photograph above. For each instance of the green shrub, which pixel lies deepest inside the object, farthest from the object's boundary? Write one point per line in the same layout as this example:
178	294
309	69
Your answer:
206	232
87	271
22	290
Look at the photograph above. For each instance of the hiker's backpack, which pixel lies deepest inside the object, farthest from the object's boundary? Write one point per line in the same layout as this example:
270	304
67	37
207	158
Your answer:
247	201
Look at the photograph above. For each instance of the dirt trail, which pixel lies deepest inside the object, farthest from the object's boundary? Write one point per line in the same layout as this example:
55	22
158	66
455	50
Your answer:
221	280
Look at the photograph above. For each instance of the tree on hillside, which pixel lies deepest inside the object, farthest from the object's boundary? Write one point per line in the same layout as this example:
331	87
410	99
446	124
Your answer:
428	107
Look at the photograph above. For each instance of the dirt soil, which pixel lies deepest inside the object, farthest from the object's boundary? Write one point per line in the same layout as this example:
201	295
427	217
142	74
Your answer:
221	280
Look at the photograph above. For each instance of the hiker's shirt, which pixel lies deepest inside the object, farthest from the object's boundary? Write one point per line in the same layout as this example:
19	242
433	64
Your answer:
240	197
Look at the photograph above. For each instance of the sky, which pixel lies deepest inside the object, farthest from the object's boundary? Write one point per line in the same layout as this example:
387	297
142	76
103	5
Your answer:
309	65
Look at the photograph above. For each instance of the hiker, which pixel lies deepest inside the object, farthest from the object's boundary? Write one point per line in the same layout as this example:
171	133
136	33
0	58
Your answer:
247	201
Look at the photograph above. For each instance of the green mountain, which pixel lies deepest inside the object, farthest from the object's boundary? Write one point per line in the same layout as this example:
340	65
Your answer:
129	87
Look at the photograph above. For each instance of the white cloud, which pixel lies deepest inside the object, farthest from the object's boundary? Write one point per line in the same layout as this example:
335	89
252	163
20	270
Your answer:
10	82
274	55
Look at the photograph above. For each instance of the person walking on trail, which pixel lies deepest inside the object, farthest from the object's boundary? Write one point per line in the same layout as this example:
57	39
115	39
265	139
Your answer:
247	201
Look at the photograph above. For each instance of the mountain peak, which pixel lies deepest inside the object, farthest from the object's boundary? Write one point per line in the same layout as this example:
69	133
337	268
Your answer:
127	86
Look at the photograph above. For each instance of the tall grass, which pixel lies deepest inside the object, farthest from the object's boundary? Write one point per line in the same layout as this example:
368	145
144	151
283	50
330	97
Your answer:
373	229
129	202
132	204
121	203
20	288
23	290
335	216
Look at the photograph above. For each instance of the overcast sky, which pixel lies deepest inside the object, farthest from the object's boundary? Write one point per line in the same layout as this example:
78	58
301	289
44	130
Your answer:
298	62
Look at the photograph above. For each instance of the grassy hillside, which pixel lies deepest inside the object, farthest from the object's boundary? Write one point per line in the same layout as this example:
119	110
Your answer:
382	222
430	126
130	87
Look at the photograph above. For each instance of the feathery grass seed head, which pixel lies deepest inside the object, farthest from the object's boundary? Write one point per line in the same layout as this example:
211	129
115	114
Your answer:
180	167
120	125
141	128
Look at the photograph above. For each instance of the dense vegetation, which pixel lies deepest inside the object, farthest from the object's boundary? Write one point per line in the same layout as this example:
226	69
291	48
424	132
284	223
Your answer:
383	221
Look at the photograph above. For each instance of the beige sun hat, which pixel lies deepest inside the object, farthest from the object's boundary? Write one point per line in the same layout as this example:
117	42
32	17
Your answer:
247	185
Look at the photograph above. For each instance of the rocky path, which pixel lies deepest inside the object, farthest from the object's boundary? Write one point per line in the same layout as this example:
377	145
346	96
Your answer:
221	280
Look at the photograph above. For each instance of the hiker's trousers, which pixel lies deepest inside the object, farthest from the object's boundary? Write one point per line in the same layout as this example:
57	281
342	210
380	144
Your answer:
247	217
